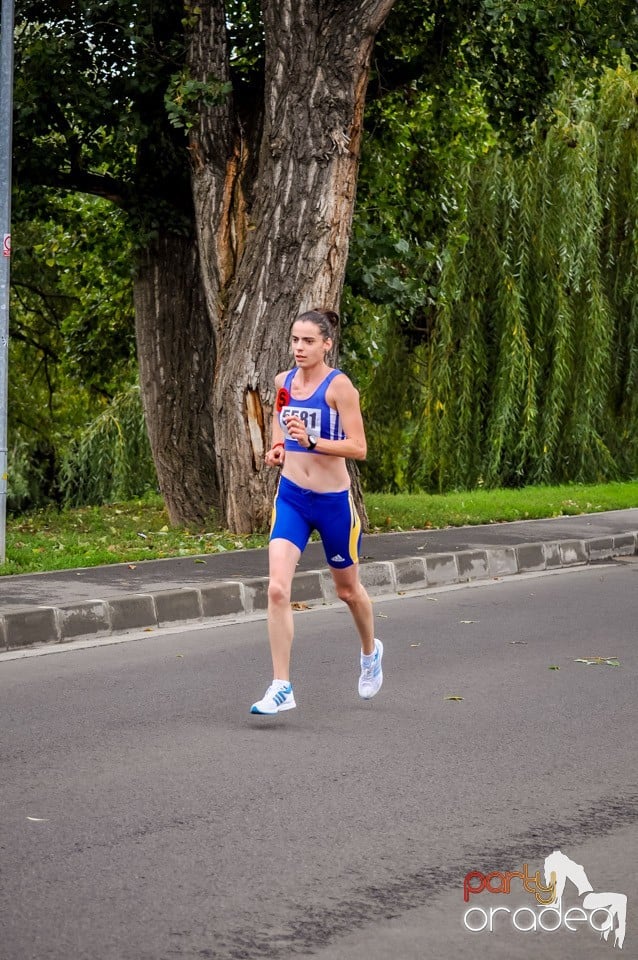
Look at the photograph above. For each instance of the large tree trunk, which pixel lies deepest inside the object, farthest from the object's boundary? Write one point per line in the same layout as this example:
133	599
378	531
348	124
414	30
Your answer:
176	359
276	243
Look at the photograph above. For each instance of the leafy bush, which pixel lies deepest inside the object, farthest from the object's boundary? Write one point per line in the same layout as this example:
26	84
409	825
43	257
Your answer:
111	460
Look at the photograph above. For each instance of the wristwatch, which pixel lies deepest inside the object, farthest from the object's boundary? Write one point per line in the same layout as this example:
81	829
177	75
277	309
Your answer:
312	441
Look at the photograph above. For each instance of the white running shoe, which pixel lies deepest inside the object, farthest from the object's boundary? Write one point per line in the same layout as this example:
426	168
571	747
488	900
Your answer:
278	697
372	677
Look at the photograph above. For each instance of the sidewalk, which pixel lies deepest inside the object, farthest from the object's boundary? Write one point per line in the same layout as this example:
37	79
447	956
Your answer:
57	607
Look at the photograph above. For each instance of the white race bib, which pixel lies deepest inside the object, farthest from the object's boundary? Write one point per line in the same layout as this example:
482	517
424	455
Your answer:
309	416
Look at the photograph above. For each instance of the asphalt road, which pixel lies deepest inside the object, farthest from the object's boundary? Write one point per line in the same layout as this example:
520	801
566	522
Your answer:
145	815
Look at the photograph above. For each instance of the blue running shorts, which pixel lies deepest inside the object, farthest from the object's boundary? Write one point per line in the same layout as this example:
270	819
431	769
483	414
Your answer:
297	512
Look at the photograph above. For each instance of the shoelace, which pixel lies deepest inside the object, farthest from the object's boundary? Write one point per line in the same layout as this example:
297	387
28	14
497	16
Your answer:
368	672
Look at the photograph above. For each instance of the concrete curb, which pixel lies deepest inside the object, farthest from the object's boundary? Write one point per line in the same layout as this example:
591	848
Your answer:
35	626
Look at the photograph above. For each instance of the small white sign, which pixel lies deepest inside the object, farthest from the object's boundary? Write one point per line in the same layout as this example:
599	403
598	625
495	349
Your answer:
6	245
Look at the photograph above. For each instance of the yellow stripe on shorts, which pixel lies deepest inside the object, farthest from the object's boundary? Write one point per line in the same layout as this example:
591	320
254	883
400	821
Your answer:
355	530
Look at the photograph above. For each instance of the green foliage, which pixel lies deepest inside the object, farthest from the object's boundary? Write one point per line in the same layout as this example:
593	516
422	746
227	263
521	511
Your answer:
531	367
375	356
524	50
30	475
185	97
412	185
72	287
410	195
503	297
111	458
518	51
246	35
90	115
72	333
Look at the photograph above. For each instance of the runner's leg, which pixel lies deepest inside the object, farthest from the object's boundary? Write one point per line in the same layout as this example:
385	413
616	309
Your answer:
353	593
283	557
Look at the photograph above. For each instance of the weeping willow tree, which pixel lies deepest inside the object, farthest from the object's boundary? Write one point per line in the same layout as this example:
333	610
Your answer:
530	370
111	459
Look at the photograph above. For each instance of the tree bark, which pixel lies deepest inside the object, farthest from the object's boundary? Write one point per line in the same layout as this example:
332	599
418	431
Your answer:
274	218
176	360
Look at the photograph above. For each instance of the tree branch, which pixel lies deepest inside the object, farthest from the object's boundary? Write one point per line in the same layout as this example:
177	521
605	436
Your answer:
97	184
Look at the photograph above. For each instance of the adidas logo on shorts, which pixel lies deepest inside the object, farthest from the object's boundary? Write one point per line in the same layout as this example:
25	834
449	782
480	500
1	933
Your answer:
337	559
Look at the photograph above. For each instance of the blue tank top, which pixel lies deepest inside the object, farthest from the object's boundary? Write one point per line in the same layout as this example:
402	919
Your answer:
318	416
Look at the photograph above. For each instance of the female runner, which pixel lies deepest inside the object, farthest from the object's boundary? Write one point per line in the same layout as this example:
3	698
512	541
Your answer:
317	425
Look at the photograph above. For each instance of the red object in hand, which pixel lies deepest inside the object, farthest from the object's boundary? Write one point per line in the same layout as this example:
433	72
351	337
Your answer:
283	399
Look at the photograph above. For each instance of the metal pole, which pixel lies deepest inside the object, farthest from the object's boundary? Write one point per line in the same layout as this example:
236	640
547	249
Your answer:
6	132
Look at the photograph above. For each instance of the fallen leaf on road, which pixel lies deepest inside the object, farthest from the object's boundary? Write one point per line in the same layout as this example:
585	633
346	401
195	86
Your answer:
132	566
415	644
553	667
200	561
179	656
522	642
452	698
148	629
299	606
597	661
383	616
433	599
468	621
38	819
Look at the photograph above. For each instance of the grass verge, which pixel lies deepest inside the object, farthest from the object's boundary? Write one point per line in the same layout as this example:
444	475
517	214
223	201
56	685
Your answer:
422	511
117	533
133	532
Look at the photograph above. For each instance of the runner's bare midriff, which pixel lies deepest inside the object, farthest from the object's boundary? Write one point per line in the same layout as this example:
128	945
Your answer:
318	472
